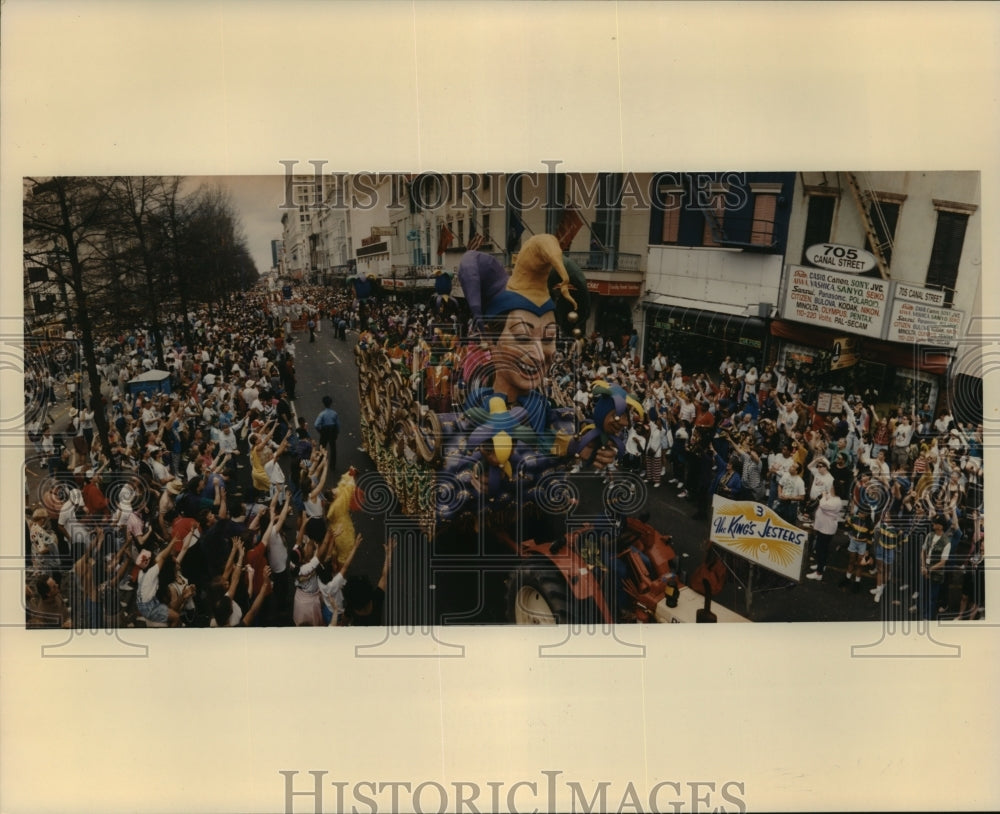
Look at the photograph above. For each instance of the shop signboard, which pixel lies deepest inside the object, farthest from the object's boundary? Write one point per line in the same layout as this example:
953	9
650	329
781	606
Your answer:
799	357
918	316
829	299
614	289
755	532
847	259
845	352
837	402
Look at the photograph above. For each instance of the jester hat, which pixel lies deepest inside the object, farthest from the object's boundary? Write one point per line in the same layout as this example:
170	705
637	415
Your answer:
610	397
490	291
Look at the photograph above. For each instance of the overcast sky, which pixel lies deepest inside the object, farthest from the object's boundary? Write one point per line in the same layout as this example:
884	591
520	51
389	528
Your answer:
257	199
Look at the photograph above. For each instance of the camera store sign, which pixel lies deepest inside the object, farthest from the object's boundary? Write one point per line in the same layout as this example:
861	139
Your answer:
839	301
918	317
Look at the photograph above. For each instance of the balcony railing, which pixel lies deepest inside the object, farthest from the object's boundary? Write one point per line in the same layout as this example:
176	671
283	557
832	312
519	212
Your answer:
605	260
410	278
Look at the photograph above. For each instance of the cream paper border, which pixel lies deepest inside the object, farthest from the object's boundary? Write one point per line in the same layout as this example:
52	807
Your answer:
208	720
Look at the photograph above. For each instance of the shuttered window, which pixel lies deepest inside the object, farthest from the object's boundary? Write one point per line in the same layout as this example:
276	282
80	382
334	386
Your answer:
819	221
718	208
884	216
671	216
947	252
762	230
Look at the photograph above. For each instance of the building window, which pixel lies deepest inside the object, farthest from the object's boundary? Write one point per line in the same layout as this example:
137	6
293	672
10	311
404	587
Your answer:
819	221
673	199
764	208
486	225
884	215
714	213
947	252
461	231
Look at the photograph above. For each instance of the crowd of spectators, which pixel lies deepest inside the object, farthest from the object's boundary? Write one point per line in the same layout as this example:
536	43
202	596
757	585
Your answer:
199	472
208	506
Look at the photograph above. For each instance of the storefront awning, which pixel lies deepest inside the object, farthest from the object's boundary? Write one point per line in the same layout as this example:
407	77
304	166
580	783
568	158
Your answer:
666	301
708	324
915	357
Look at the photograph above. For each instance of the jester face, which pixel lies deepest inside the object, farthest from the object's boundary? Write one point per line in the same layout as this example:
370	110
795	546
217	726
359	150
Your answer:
524	352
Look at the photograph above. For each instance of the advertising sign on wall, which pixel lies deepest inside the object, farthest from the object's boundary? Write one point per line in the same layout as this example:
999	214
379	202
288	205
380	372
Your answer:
614	289
918	316
845	352
840	301
755	532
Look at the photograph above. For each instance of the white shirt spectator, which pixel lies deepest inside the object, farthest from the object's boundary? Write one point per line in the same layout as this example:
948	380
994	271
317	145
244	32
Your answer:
635	444
688	411
828	514
781	383
161	474
822	479
778	464
332	594
788	418
902	434
149	583
225	437
250	394
791	486
150	418
880	469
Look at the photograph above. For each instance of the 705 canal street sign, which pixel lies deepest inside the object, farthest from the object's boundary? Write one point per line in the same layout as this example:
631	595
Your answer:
847	259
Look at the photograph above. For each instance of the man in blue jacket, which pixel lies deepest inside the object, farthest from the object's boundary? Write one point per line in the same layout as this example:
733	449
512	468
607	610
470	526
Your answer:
327	424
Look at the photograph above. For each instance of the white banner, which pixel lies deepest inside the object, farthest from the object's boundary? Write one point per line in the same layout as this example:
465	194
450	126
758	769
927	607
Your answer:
755	532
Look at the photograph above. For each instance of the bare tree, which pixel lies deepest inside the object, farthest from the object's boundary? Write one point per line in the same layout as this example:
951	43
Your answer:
66	226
